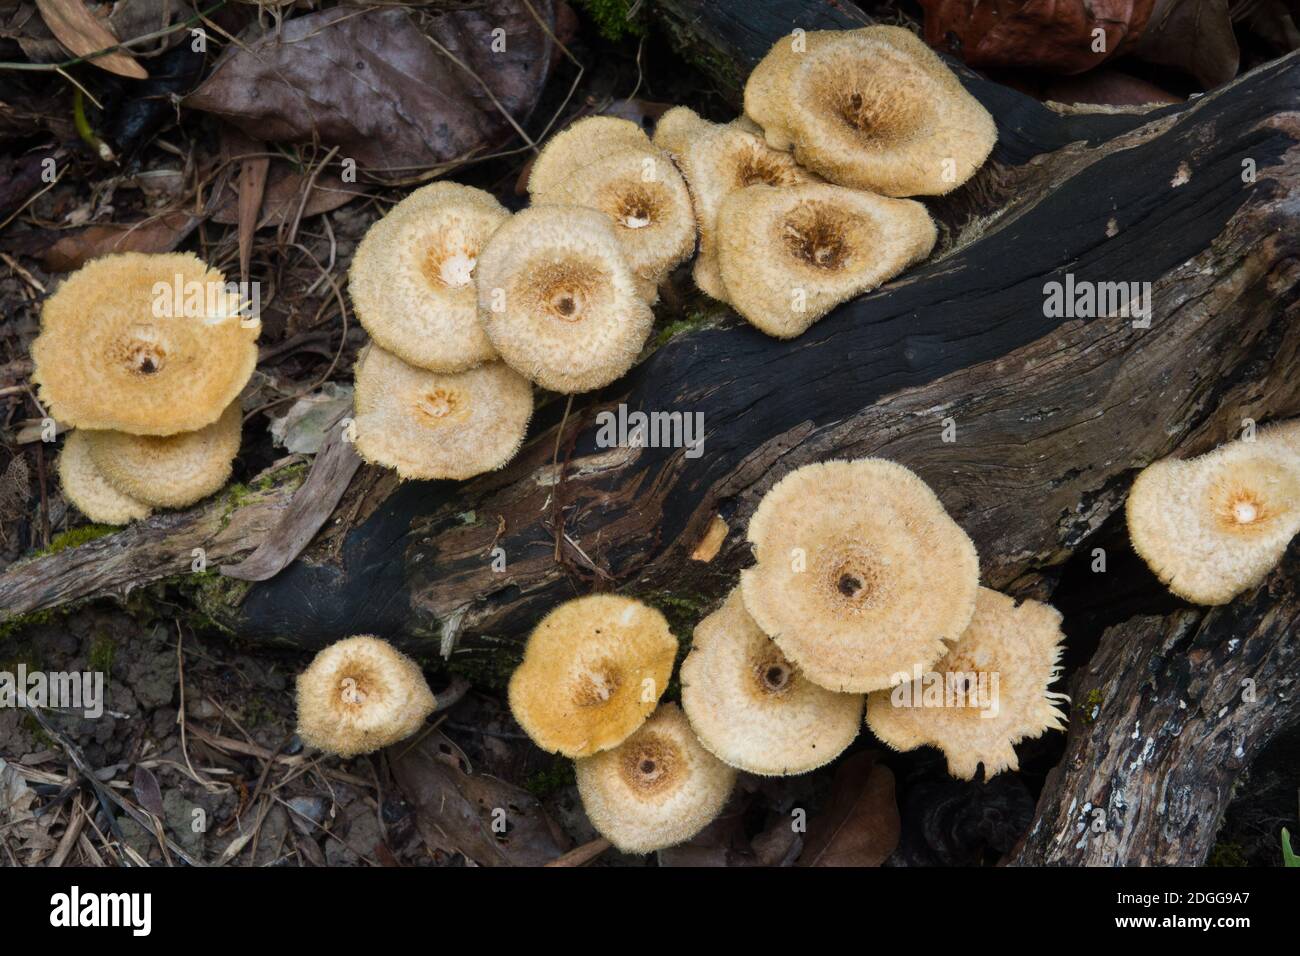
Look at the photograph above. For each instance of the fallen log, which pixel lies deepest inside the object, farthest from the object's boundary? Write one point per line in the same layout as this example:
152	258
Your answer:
1167	715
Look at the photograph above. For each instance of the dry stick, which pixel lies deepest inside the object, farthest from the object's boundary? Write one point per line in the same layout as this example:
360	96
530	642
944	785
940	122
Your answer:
45	503
180	714
555	492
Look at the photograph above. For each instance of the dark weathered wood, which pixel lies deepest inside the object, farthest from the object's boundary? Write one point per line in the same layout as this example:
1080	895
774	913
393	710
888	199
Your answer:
1166	716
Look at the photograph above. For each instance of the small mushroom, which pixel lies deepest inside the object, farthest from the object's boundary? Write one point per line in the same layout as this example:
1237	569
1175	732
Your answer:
593	669
583	142
1214	526
752	708
107	359
558	299
788	255
860	573
646	198
412	278
361	694
89	491
986	695
873	109
658	788
717	160
171	471
430	425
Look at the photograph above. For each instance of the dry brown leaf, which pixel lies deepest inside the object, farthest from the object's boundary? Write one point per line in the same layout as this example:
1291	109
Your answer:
375	85
860	826
488	820
160	234
77	29
282	196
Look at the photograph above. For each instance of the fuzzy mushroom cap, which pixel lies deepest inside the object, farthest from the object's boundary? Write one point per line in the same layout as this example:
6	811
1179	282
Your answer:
788	255
360	694
717	160
586	141
593	670
171	471
861	574
558	300
1214	526
439	424
646	198
986	695
658	788
105	360
872	109
752	708
412	279
87	488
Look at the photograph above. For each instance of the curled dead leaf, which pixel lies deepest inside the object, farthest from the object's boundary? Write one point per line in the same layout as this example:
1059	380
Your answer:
860	825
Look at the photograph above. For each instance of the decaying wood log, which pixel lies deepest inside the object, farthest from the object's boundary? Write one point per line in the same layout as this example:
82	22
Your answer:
1029	425
1166	716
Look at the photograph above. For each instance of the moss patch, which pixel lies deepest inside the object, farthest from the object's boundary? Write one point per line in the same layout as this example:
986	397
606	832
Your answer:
553	779
613	19
75	537
100	658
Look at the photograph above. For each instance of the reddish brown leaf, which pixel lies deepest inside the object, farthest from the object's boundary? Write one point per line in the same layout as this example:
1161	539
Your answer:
161	234
860	825
373	83
77	29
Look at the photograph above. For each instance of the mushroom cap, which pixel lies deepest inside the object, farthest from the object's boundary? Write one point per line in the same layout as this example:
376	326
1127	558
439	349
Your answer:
89	490
677	127
752	708
430	425
717	160
104	360
570	316
861	574
593	669
872	109
658	788
412	278
170	471
360	694
788	255
583	142
647	200
972	715
1214	526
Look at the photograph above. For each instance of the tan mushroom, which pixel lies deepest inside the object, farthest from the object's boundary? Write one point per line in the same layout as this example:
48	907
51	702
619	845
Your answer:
860	573
592	672
361	694
558	299
114	353
172	471
717	160
787	256
646	198
412	278
988	693
429	425
658	788
589	139
872	109
752	708
89	491
1214	526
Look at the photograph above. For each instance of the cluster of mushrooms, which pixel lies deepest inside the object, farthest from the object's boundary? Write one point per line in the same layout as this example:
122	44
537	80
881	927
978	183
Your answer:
794	206
154	400
1213	527
862	583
